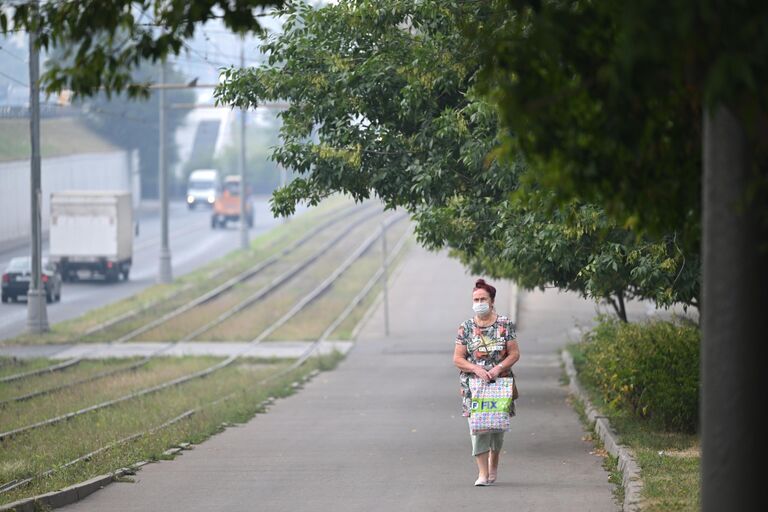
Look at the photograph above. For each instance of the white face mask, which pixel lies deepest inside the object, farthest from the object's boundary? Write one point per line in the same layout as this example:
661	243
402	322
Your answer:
481	308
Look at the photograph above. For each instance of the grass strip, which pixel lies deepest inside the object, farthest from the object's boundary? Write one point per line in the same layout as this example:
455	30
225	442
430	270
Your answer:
669	461
39	371
310	322
71	402
47	382
251	323
230	304
13	366
39	451
327	283
59	137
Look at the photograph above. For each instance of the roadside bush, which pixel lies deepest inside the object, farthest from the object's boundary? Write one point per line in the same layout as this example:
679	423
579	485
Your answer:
650	370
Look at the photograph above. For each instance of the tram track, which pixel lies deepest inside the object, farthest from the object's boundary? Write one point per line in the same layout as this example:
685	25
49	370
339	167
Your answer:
362	248
265	290
209	295
299	362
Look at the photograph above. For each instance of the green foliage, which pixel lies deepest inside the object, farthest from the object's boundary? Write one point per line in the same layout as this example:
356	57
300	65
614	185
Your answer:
382	99
107	39
650	370
378	101
574	247
605	99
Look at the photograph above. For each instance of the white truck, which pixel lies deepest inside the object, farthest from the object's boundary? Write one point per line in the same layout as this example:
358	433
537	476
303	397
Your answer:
203	186
93	231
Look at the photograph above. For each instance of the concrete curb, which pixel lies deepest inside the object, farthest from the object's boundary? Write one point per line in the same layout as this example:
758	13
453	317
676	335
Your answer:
629	468
68	495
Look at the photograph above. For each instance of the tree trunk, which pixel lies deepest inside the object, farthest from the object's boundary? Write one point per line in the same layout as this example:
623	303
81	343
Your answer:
618	306
622	306
733	363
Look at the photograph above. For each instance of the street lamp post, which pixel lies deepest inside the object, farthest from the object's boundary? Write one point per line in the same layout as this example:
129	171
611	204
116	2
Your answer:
385	277
244	238
165	274
37	315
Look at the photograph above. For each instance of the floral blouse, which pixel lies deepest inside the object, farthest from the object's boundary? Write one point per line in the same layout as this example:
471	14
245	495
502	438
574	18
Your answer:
486	346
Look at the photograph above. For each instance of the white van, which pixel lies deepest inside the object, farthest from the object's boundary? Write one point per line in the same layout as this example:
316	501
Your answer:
202	187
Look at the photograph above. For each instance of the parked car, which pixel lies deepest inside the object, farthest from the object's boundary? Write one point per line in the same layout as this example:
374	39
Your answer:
18	275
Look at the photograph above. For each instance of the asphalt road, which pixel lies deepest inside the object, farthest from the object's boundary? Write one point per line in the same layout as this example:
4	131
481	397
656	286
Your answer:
192	244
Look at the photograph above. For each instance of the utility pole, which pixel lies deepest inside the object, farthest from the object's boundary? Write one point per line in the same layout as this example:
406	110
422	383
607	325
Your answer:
244	239
37	315
384	278
165	274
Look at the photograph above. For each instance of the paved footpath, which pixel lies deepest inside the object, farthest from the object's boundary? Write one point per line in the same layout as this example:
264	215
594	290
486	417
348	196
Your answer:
383	431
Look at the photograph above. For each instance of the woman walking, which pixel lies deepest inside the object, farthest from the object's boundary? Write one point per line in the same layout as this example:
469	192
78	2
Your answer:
486	348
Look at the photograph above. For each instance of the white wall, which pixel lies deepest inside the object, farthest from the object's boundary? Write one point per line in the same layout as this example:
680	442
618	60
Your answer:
95	171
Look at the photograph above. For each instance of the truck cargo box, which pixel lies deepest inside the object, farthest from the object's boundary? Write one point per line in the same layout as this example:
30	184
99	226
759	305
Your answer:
92	227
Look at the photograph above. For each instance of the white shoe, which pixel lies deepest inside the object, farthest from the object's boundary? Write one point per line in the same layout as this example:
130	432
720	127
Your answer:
481	482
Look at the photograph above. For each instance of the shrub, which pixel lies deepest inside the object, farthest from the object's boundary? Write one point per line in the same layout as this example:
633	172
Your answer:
649	369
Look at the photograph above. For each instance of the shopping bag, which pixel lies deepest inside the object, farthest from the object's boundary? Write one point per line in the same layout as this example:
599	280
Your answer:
491	405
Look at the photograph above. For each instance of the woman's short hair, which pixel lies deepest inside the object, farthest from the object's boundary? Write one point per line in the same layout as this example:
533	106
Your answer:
480	284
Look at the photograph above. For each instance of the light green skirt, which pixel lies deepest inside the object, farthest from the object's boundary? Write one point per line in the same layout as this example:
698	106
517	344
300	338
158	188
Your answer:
481	443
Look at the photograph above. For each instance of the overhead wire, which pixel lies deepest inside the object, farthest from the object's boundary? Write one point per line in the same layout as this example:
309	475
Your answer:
9	77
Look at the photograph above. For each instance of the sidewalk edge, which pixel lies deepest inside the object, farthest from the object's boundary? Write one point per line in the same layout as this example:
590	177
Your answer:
630	470
66	496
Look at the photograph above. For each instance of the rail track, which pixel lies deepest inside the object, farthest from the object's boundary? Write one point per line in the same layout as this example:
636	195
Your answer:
362	248
335	217
313	295
210	295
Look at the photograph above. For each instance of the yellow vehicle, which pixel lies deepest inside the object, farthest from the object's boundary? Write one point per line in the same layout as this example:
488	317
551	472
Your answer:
227	204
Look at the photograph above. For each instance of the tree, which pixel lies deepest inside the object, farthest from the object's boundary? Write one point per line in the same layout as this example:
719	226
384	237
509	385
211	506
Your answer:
107	39
574	248
381	100
644	107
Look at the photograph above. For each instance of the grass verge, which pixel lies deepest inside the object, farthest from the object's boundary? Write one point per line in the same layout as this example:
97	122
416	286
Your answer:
39	450
669	461
58	137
